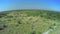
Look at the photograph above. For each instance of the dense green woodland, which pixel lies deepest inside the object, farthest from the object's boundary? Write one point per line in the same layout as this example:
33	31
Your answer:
29	22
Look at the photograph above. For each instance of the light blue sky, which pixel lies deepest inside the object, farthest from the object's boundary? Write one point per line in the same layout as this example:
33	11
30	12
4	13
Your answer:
29	4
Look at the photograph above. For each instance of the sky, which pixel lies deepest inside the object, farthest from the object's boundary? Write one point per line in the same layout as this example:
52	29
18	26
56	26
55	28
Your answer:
29	4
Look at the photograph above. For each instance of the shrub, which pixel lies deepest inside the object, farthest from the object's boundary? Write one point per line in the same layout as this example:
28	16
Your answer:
1	28
19	22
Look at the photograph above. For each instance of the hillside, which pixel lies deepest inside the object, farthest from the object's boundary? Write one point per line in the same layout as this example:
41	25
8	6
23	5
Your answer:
29	22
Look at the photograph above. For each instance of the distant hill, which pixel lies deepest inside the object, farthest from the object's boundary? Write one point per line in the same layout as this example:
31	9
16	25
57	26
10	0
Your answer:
29	22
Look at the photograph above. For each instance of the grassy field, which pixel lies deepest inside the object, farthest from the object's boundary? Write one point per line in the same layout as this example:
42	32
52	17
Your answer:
29	22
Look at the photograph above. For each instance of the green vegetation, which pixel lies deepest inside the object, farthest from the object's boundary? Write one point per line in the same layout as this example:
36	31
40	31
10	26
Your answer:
29	22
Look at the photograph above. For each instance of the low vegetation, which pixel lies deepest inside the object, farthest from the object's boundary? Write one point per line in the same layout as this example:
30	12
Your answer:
28	21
